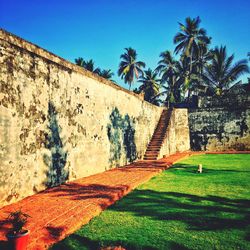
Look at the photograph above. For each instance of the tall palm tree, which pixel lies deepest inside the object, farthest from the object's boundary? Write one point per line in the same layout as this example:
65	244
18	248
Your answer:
202	56
221	74
188	41
150	85
185	77
167	65
170	77
190	36
106	73
129	68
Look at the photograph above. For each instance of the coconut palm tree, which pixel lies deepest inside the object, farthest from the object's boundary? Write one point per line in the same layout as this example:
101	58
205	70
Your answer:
106	73
88	65
166	66
80	61
190	36
170	77
129	68
221	74
150	86
188	41
202	56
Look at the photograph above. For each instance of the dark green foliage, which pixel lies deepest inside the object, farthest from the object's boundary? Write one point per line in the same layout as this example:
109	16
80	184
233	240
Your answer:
150	86
171	74
190	40
190	36
221	74
121	134
89	65
129	67
56	162
106	74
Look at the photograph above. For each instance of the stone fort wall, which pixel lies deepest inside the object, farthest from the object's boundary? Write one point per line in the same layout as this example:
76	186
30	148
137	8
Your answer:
59	122
221	124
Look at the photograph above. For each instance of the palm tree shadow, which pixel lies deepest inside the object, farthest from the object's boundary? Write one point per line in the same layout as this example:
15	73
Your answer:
56	160
88	243
197	212
102	195
121	135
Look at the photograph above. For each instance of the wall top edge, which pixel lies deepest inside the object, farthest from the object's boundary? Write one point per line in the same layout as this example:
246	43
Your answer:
33	48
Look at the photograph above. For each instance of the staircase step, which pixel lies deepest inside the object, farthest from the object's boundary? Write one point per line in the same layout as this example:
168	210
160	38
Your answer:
150	155
155	143
150	158
154	146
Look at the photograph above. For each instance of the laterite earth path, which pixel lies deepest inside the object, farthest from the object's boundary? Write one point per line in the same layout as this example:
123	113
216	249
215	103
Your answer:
58	212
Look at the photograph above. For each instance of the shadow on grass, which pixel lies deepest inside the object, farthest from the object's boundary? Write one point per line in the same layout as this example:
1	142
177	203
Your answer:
197	212
81	243
209	213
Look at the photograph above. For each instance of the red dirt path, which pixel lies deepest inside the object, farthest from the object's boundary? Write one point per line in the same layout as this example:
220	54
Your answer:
58	212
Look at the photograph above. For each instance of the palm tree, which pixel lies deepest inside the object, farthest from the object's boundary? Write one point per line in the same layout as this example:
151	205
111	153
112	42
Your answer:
80	61
189	39
88	65
221	74
150	86
202	56
166	66
129	68
106	73
190	36
170	77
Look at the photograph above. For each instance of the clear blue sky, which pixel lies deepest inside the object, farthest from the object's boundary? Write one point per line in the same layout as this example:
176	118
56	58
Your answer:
101	29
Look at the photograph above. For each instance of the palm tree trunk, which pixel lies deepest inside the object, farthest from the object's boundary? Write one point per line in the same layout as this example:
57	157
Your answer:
190	70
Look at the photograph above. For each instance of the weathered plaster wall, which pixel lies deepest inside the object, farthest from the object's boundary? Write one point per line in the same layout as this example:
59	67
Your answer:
177	137
230	100
182	136
59	122
218	129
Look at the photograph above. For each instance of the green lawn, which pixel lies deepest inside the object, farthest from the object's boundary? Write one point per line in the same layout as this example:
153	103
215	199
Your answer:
178	209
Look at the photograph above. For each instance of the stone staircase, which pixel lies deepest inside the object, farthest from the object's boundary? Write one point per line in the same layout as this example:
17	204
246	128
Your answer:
154	146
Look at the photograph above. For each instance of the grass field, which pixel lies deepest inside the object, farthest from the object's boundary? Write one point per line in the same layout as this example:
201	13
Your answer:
178	209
